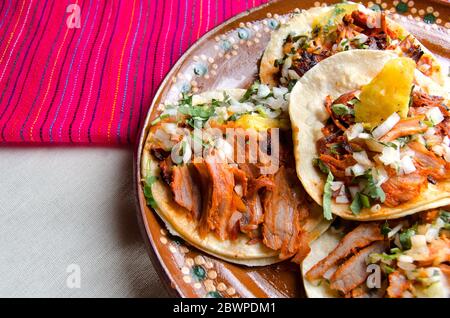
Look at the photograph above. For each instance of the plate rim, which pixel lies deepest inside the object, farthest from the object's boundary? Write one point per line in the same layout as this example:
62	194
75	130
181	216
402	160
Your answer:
173	289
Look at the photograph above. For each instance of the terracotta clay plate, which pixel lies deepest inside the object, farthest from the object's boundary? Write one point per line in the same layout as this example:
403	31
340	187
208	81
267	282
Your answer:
227	57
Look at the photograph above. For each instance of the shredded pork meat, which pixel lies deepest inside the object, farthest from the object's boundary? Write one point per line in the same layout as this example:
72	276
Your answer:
353	272
360	237
284	210
186	191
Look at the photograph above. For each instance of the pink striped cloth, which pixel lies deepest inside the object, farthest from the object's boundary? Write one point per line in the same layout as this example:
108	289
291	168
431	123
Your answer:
90	80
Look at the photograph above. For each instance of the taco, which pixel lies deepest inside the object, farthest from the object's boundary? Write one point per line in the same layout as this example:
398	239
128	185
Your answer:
248	210
402	258
371	136
313	35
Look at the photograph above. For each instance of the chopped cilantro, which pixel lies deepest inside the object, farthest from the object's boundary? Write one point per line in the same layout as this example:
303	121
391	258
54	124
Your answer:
372	189
158	119
342	110
385	229
403	140
405	238
386	268
291	85
148	190
356	205
365	202
250	91
321	165
353	101
445	216
278	62
327	193
334	148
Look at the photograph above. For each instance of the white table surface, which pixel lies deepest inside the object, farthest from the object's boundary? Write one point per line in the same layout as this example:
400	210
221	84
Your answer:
62	206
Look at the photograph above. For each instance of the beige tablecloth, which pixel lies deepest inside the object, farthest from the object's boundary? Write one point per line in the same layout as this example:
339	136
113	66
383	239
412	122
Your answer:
61	206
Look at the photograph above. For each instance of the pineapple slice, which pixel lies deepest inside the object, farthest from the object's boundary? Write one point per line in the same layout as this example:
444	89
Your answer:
260	123
388	92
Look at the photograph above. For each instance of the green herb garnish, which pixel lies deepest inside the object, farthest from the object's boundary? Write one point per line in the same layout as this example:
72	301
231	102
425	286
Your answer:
405	238
327	193
356	205
250	91
385	229
321	165
148	190
342	110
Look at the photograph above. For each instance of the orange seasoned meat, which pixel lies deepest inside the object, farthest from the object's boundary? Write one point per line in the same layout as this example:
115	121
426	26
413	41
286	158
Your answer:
255	213
439	252
206	191
338	166
222	200
398	284
186	192
353	272
406	127
422	102
403	188
428	163
360	237
284	209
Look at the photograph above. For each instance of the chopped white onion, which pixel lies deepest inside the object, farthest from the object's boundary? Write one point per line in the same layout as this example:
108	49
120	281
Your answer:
405	259
361	38
364	136
221	113
380	175
362	158
395	230
169	128
432	234
406	266
342	199
277	103
375	208
407	165
434	114
279	92
263	91
293	75
353	131
240	108
348	172
418	241
389	155
386	126
170	112
358	170
419	249
336	185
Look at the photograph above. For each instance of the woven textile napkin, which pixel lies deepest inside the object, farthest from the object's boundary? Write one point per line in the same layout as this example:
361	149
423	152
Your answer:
85	71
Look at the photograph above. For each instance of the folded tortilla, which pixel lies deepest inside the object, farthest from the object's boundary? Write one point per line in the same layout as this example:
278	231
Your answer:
303	23
336	75
180	224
